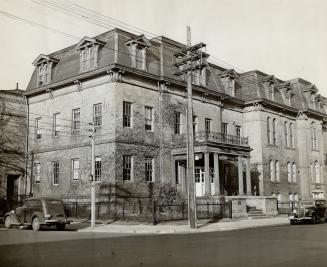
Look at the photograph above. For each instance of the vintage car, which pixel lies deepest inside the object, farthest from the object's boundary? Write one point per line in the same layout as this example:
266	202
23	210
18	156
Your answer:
309	210
38	212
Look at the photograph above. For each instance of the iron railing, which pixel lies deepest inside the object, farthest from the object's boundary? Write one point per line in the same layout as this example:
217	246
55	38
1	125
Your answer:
220	138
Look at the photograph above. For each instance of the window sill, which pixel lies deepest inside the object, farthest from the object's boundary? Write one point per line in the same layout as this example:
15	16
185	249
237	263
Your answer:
55	184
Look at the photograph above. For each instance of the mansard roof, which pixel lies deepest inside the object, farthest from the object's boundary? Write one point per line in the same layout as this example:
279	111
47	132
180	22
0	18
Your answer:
43	58
310	88
230	73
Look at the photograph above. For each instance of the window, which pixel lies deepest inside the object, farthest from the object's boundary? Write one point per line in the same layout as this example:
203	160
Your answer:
207	123
291	199
88	58
97	115
274	132
225	129
291	135
127	168
268	131
277	170
199	77
312	173
76	120
75	169
55	125
127	114
140	58
43	74
149	169
317	172
97	169
177	127
238	132
289	172
37	170
288	98
272	170
148	118
195	125
294	172
38	128
314	143
55	167
286	133
270	91
197	175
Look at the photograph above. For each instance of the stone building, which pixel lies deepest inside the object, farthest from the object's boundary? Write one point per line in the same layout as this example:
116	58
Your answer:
254	134
12	146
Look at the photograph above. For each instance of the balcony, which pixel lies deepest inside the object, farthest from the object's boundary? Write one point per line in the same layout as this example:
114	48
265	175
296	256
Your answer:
216	137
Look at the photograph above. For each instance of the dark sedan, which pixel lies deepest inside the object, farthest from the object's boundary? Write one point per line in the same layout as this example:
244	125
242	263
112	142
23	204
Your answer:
38	212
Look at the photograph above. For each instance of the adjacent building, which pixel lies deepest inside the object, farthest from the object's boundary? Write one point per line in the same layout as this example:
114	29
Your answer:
254	134
13	133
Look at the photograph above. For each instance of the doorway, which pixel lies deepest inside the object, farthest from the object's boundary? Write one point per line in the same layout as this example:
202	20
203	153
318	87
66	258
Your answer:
12	191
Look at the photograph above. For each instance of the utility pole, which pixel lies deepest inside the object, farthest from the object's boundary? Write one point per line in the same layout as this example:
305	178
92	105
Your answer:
188	60
92	136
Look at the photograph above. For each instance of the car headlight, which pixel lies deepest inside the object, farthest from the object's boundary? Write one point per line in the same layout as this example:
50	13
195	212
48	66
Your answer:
48	216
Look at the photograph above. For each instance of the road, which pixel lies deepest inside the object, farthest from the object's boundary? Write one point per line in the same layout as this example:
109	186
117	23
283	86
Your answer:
299	245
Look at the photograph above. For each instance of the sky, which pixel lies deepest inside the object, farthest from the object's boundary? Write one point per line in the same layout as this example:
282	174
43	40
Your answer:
285	38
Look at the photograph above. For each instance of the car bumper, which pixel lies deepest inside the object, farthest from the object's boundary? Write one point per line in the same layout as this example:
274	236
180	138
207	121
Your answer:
56	221
292	217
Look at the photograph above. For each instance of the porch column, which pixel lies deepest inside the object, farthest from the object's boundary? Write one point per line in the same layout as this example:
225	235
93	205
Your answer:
216	173
207	181
240	177
173	171
248	177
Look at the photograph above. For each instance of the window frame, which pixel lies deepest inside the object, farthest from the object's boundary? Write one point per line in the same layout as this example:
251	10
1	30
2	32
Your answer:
37	172
127	168
177	123
127	114
55	172
148	115
207	126
38	129
97	168
149	169
97	115
75	171
55	125
76	121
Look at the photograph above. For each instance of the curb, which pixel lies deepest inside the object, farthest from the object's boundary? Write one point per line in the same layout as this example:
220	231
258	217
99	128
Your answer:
176	231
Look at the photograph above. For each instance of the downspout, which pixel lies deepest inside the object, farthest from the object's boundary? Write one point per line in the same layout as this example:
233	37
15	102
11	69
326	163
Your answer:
26	141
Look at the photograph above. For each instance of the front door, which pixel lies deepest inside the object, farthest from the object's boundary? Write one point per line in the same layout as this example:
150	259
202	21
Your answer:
12	191
199	182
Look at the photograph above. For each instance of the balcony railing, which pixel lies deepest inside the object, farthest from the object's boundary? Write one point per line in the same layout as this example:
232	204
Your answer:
216	137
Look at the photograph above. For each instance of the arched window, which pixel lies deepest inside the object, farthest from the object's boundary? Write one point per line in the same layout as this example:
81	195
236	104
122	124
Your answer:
313	136
291	135
277	171
289	172
317	172
274	132
286	133
294	172
268	131
312	173
272	170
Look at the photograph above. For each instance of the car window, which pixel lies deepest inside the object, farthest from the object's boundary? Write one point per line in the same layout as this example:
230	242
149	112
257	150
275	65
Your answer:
34	203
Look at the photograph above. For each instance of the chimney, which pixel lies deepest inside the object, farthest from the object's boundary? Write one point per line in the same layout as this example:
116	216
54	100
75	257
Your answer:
16	86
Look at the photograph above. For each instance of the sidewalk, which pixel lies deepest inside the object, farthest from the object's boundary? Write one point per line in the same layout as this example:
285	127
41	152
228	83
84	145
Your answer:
182	227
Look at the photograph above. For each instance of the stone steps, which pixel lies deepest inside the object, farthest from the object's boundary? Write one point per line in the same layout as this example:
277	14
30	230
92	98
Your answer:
256	213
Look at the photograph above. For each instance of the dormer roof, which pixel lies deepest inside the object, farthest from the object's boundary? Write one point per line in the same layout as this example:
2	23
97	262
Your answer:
43	58
87	41
310	88
270	79
140	40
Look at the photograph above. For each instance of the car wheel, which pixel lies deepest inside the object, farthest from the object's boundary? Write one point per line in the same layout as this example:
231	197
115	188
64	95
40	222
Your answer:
8	222
36	225
60	227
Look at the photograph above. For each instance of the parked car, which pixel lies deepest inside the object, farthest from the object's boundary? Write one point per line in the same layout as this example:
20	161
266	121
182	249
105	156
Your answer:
309	210
38	212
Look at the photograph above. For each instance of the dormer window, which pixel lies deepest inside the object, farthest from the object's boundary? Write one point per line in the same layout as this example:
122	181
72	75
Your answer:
44	66
138	49
228	79
88	49
286	92
269	85
199	77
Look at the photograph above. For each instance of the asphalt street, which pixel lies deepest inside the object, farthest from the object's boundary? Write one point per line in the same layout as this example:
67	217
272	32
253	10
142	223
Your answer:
299	245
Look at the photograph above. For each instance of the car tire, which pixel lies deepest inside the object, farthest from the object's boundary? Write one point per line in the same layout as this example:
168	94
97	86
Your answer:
36	224
61	227
8	222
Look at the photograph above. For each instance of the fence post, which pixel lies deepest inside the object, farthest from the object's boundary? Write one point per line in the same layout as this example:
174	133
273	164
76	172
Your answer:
207	210
123	211
76	209
154	212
